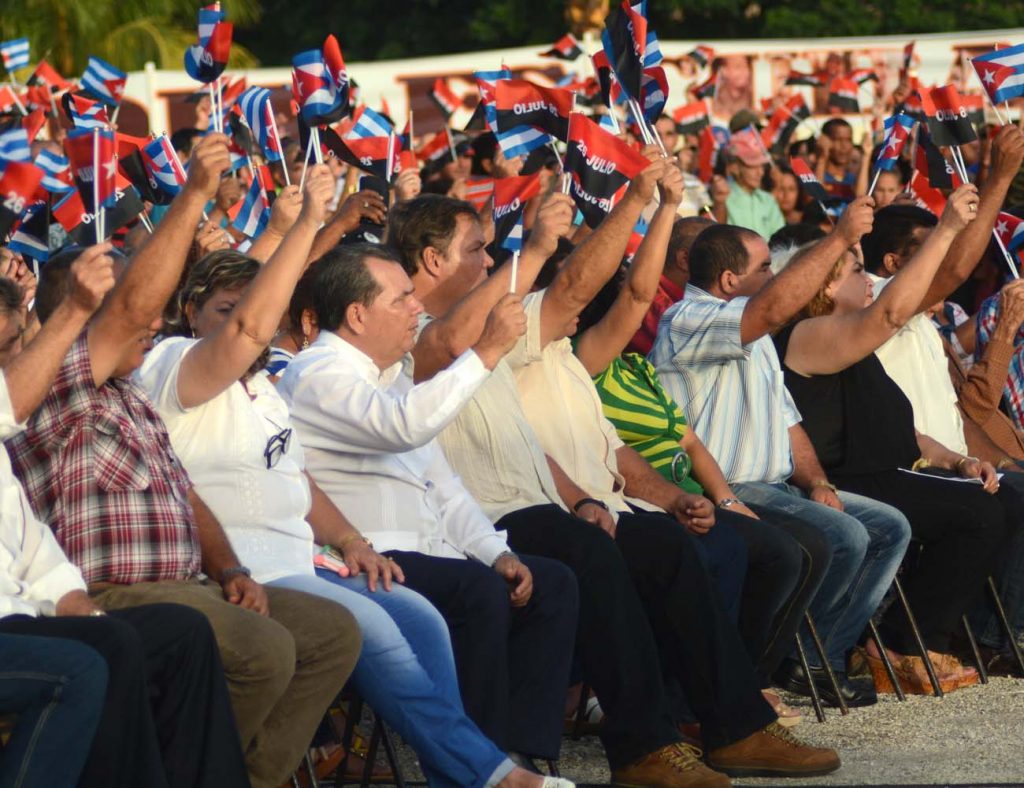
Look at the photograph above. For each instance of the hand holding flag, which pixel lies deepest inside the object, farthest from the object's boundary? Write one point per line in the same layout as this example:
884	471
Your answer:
207	59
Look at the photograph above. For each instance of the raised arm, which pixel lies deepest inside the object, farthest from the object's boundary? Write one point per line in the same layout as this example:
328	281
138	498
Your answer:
30	374
594	261
220	359
788	293
831	343
142	291
452	334
366	204
601	343
966	251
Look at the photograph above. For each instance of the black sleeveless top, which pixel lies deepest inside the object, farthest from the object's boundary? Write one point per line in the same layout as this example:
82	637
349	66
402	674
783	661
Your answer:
859	421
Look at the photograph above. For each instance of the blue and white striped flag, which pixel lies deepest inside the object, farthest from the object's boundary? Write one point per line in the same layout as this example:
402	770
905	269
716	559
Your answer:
14	145
53	164
259	113
255	211
370	124
15	53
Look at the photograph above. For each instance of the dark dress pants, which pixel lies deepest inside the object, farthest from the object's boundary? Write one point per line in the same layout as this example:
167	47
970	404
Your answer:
695	641
961	528
512	663
166	718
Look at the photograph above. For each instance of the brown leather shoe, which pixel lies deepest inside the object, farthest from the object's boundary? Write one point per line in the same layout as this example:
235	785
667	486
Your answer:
773	752
676	765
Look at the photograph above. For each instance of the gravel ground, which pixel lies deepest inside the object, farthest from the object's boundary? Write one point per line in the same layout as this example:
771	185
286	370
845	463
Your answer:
971	737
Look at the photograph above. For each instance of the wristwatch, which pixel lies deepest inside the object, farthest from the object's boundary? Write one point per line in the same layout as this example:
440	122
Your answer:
584	501
725	503
825	483
231	571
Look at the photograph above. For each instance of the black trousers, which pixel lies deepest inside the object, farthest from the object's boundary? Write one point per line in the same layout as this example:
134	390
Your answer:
960	527
786	563
648	609
167	719
512	663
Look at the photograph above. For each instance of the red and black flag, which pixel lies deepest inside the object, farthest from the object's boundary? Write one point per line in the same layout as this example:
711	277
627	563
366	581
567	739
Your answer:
908	60
929	160
783	122
510	198
863	75
522	103
439	149
691	118
815	80
707	154
842	95
565	48
975	109
77	221
625	44
611	93
808	179
47	75
947	115
445	98
601	166
376	155
702	55
479	189
19	182
925	195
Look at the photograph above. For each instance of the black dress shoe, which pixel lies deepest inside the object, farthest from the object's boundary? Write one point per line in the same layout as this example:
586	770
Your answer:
792	678
524	762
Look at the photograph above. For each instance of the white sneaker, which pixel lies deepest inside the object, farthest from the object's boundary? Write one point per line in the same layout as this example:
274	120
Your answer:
557	782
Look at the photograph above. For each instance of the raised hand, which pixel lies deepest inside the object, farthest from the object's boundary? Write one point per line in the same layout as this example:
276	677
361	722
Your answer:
857	220
318	193
210	159
553	221
505	324
285	210
961	208
92	277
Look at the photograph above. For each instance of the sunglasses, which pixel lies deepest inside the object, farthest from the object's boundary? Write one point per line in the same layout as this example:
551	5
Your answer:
277	446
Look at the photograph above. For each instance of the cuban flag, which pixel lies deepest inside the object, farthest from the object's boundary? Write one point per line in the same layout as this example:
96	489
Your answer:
207	59
85	113
654	93
369	124
314	90
57	172
1010	230
1002	73
485	82
652	55
510	198
31	238
898	129
14	145
256	109
104	82
15	54
166	172
250	216
565	48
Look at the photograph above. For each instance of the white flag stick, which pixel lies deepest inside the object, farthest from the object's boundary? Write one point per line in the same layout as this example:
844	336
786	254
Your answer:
515	271
146	222
874	181
17	101
1006	254
97	210
305	159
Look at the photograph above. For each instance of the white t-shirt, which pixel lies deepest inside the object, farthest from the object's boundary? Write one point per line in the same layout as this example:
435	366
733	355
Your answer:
222	444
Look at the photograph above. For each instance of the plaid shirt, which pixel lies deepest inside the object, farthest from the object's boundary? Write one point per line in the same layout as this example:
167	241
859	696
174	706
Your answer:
97	465
1013	391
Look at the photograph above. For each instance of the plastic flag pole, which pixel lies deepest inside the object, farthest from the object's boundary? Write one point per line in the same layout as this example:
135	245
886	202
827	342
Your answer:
96	207
388	167
273	125
17	101
638	116
515	271
412	145
1006	254
318	154
451	143
874	181
305	159
146	222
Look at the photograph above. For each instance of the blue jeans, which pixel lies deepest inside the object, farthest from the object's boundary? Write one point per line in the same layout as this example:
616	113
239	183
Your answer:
868	541
406	672
57	688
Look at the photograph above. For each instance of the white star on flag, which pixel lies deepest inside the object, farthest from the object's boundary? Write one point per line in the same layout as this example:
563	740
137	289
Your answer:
1001	228
989	77
110	169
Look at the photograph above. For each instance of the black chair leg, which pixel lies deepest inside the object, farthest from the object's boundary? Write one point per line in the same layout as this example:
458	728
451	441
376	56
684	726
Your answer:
900	695
553	769
581	712
843	708
932	677
392	754
371	755
982	673
819	710
311	770
1007	629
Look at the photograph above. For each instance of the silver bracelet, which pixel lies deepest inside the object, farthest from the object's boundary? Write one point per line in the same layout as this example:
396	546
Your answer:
725	503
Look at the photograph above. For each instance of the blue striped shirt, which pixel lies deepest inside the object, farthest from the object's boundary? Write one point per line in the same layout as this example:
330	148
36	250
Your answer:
733	394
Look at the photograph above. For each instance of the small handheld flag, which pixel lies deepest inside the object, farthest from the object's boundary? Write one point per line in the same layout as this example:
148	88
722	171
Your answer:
808	179
207	59
947	115
258	113
510	198
565	48
15	54
691	118
251	214
314	90
85	113
702	55
1001	73
56	172
842	95
104	82
444	97
897	131
522	103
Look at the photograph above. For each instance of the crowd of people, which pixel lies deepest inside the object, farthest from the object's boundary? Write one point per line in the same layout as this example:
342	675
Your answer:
356	451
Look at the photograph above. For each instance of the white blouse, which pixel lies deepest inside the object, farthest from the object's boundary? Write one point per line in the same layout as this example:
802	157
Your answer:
222	444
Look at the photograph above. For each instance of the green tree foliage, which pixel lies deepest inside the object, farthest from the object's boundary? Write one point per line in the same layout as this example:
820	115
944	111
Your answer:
127	33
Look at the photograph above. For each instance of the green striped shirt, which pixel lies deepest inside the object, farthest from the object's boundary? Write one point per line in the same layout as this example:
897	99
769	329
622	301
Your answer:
646	417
